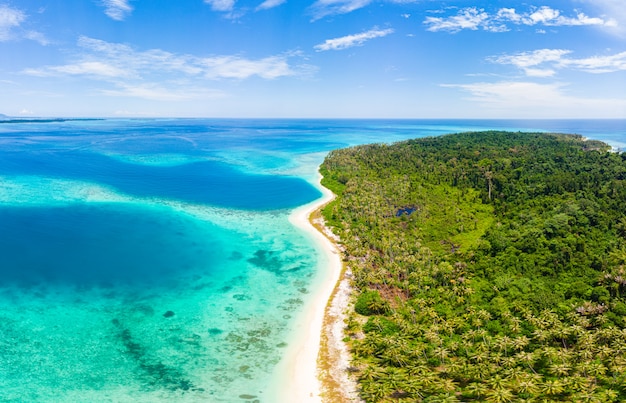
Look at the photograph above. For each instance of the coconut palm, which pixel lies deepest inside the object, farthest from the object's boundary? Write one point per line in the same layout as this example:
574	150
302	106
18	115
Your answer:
477	389
499	395
519	343
527	386
559	369
578	383
526	358
552	387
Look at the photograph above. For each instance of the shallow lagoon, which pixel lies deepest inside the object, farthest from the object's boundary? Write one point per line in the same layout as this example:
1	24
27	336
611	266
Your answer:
152	260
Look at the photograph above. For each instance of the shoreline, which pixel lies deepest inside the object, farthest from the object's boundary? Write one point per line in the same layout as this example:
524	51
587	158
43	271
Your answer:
304	379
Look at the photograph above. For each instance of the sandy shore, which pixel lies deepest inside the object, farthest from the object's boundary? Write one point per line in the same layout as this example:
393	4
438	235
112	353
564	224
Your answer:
300	368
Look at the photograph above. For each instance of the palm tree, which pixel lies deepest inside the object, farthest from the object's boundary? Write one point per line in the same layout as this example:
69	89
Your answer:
414	388
395	378
600	320
578	383
503	343
552	387
441	353
527	358
609	395
479	356
551	353
477	389
561	332
527	386
585	354
559	369
596	369
586	396
375	391
515	325
499	395
604	352
372	373
541	335
519	343
443	398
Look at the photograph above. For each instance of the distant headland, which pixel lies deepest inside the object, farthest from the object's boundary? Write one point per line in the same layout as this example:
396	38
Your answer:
12	119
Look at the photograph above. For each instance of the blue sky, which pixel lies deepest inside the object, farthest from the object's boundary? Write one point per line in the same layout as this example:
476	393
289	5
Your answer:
313	58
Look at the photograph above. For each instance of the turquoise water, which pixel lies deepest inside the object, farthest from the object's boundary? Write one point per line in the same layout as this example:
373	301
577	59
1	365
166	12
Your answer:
153	260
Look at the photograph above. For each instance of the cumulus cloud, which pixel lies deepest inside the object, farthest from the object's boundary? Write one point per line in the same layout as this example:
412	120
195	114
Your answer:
267	4
528	61
88	68
9	18
474	18
531	100
117	9
133	72
349	41
239	68
598	64
544	62
37	37
157	92
114	60
221	5
468	18
324	8
616	13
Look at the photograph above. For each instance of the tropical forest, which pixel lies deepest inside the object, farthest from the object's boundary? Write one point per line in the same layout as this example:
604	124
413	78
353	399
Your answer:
486	266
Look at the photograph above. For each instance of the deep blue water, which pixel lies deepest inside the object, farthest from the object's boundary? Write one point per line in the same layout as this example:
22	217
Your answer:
101	245
153	260
205	182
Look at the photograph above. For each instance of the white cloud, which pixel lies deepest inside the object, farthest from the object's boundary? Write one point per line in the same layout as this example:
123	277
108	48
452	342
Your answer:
91	68
324	8
508	14
616	11
532	100
542	15
528	61
117	9
158	93
239	68
131	72
9	18
114	60
221	5
598	64
474	18
511	94
551	17
543	62
267	4
349	41
37	37
542	73
468	18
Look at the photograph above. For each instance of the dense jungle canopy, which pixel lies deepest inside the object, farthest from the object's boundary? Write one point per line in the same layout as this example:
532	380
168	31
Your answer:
487	266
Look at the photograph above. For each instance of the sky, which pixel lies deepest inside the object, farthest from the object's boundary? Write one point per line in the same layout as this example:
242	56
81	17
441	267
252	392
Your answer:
313	58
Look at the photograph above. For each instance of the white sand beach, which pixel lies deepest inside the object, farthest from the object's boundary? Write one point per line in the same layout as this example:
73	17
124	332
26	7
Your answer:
299	369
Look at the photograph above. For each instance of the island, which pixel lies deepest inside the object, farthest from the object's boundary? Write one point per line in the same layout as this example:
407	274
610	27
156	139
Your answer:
485	266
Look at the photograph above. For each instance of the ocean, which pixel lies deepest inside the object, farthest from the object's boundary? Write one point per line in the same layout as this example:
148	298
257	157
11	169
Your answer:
150	260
